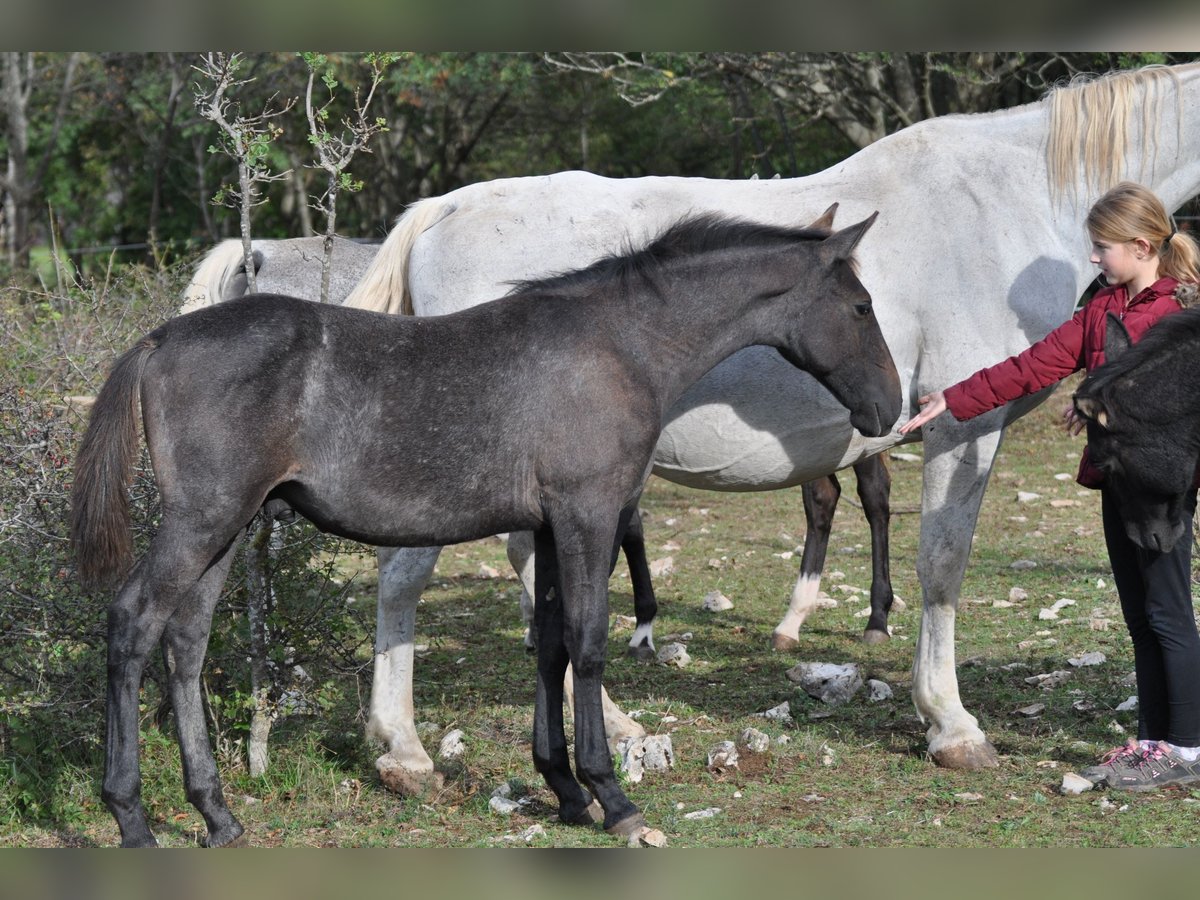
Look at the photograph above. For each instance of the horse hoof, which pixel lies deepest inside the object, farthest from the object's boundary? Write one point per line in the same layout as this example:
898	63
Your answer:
642	653
404	781
783	643
629	826
592	815
967	756
875	636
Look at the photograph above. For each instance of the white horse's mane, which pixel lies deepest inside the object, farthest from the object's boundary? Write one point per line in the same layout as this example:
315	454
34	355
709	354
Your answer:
1090	129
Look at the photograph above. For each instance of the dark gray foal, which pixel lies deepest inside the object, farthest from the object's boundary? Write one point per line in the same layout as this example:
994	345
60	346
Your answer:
538	412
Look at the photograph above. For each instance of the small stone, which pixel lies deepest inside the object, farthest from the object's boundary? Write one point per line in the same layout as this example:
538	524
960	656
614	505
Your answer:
1063	476
1062	504
968	797
828	682
533	831
1049	680
780	713
671	546
1128	705
1002	604
706	813
878	691
1093	658
502	806
1017	594
715	601
1027	496
1099	624
1023	564
1073	785
660	568
755	740
723	756
452	746
786	554
1034	709
647	837
674	654
486	571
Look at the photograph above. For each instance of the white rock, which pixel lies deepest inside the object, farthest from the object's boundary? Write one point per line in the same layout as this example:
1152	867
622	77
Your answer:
1023	564
755	740
671	546
1093	658
1002	604
898	605
1049	680
707	813
1017	594
828	682
502	806
1027	496
486	571
780	713
715	601
674	654
723	756
786	554
647	837
824	601
1073	784
878	690
1063	476
452	746
651	753
1034	709
662	567
533	831
1127	705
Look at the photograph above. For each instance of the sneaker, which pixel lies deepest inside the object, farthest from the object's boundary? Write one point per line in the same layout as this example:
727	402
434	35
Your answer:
1153	767
1110	762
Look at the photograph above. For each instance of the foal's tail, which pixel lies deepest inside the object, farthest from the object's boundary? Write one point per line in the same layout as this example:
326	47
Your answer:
101	534
384	286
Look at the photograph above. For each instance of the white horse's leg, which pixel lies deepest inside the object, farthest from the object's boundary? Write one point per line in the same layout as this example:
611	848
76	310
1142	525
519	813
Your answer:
405	768
520	554
617	725
954	480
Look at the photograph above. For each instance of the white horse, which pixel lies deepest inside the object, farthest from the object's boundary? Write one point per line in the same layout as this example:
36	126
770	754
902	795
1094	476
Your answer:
980	250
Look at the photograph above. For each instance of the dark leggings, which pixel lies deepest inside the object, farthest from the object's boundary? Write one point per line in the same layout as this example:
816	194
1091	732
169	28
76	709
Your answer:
1156	600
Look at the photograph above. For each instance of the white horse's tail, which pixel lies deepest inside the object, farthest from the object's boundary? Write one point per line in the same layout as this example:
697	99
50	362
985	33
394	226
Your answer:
384	286
207	286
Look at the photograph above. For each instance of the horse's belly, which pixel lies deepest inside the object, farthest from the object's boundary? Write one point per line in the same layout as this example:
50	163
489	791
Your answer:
755	422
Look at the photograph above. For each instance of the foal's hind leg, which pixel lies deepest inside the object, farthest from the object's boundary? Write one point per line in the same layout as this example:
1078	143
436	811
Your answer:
184	642
175	562
820	501
874	490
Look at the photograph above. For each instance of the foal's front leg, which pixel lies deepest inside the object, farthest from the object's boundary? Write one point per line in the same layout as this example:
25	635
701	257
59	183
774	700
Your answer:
550	758
585	545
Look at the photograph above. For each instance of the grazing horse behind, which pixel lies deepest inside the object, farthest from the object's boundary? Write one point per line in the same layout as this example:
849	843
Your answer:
1142	409
981	250
538	412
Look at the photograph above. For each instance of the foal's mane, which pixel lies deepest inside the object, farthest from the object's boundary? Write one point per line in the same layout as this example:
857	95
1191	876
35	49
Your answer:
691	236
1092	119
1176	335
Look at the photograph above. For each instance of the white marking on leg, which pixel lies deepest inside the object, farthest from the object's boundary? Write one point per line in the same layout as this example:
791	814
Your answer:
804	601
644	633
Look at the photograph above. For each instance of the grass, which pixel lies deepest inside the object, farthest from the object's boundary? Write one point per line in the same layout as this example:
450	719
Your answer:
849	776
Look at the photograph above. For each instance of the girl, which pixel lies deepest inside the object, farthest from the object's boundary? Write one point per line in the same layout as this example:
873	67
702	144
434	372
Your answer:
1149	267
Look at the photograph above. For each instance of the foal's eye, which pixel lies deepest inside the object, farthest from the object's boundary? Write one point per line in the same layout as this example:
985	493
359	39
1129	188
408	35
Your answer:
862	309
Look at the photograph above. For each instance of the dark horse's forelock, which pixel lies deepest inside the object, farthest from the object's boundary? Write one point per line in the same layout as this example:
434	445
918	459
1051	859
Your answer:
690	236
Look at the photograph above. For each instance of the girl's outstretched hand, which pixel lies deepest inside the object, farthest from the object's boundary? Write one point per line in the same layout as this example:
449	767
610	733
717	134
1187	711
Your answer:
932	406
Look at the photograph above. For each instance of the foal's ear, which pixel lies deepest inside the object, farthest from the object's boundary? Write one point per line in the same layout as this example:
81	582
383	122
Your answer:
1092	409
825	221
841	244
1116	338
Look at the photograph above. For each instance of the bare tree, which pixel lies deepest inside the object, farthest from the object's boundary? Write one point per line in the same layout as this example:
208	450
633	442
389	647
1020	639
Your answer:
246	139
334	152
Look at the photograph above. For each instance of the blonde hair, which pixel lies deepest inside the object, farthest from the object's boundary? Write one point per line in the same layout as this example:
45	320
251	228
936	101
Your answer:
1130	211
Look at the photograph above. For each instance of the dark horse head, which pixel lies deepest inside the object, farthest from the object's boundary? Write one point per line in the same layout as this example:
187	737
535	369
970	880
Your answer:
1143	424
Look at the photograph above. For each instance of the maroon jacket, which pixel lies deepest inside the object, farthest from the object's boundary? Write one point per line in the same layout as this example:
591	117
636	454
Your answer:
1076	344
